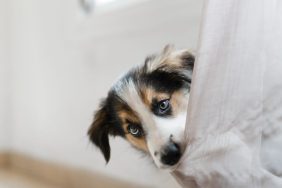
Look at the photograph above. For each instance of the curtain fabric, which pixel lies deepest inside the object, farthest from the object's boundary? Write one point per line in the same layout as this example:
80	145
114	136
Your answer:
234	120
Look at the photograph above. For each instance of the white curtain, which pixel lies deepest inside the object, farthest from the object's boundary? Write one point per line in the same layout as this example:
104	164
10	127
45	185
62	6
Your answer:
234	125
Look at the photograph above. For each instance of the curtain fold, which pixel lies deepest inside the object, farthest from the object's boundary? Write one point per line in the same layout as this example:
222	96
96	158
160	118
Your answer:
234	120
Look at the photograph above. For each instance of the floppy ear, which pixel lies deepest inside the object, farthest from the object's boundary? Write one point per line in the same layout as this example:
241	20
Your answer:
99	131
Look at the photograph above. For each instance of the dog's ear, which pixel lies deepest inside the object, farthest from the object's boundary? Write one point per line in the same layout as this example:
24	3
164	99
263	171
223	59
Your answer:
186	61
171	60
178	64
100	129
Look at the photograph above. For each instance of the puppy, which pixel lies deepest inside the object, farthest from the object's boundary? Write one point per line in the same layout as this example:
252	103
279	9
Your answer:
148	108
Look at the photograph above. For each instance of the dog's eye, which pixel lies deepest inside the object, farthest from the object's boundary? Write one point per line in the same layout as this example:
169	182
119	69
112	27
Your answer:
161	108
164	106
135	130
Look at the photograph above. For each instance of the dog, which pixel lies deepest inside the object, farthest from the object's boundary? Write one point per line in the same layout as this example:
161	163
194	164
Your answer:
148	107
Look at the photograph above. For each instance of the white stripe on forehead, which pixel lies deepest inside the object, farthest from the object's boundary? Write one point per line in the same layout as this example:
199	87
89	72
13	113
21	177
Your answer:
128	92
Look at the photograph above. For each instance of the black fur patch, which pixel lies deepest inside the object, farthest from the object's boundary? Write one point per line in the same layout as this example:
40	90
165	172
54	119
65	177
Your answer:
163	81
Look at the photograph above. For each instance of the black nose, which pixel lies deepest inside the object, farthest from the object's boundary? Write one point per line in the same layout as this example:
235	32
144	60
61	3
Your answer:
171	154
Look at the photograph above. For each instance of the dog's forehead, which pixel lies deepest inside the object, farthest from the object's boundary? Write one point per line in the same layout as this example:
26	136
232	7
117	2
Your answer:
129	92
156	79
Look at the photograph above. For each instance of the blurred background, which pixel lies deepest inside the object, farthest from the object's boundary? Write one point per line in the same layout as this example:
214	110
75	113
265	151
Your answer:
58	58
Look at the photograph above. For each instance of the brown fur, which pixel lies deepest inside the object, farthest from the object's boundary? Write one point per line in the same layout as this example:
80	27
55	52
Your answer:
129	115
148	94
163	76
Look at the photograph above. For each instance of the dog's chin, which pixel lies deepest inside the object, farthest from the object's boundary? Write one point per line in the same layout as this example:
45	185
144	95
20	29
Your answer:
168	168
164	167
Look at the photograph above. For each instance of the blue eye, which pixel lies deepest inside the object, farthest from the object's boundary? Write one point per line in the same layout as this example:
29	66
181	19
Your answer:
135	130
164	106
161	108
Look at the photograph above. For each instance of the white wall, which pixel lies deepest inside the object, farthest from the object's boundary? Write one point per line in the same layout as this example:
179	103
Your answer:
62	66
4	74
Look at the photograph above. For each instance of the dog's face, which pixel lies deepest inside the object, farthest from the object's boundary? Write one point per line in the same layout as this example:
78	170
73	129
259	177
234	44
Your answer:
148	108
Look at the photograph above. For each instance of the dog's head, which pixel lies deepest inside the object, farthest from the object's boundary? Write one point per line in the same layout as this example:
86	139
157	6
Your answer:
148	108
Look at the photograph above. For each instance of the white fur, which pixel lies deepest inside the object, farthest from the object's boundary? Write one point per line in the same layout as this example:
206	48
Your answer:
165	129
159	129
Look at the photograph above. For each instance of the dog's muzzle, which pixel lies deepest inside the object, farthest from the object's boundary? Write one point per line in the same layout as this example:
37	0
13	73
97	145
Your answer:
171	154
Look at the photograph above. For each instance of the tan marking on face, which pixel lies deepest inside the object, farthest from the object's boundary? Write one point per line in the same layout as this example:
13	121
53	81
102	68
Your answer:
139	143
144	92
149	94
125	116
178	102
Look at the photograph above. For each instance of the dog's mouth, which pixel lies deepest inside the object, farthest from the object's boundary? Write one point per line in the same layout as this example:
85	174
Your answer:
169	168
